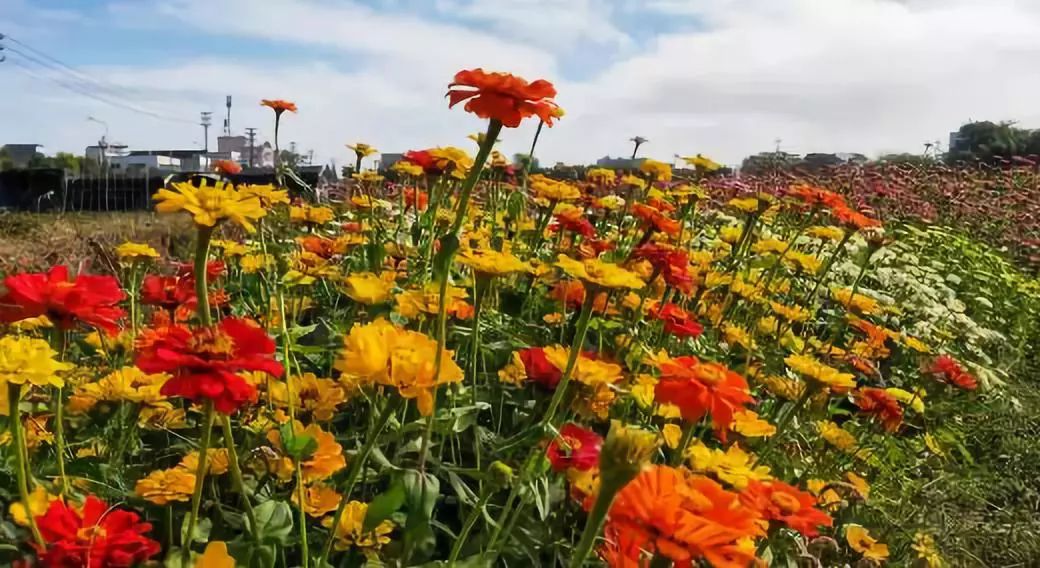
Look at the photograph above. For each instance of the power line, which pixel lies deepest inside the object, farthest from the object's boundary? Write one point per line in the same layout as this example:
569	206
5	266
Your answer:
88	88
65	67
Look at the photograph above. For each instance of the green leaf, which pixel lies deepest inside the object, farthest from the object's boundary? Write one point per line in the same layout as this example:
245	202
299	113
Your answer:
444	256
201	530
417	500
274	522
297	446
384	505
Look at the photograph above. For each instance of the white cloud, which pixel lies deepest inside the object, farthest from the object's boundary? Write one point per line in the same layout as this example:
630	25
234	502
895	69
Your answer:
842	75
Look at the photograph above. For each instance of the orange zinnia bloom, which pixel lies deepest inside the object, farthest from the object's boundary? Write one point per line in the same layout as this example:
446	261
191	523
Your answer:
227	167
778	501
702	388
279	105
654	219
881	405
503	96
682	517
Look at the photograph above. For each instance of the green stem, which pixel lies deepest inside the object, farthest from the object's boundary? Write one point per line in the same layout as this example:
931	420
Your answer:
579	340
356	467
188	536
593	525
236	475
471	520
201	285
781	426
14	395
59	437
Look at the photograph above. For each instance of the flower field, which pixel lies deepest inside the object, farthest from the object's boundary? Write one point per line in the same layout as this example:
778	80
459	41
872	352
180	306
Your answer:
467	364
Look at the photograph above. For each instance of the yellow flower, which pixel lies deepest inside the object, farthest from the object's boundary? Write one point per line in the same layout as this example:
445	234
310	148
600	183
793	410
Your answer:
514	372
216	461
320	397
600	175
492	262
933	445
610	202
362	150
598	273
407	168
162	416
39	501
586	371
368	288
126	384
326	459
411	303
790	313
230	248
267	194
626	450
215	556
783	387
738	336
744	204
730	234
748	424
367	176
321	499
27	360
915	344
642	390
210	204
672	435
733	466
859	539
164	486
769	246
310	215
924	546
913	399
131	252
837	436
812	369
633	181
366	351
859	484
555	318
253	263
702	162
859	303
455	161
308	268
350	530
553	190
826	233
658	171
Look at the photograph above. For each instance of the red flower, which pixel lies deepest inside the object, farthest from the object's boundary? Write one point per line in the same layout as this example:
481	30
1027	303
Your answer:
702	388
677	321
539	369
214	269
654	219
778	501
948	369
88	299
416	198
576	447
95	537
503	97
813	196
205	361
279	106
671	262
227	167
574	221
881	405
854	219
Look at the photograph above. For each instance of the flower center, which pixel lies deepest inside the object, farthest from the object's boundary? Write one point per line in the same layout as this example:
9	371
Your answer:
212	342
786	502
90	533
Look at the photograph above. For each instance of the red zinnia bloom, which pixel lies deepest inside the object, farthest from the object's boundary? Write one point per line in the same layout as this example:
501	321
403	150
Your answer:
95	537
279	105
654	219
575	222
169	293
88	299
416	198
503	97
854	219
227	167
672	263
539	369
214	269
815	196
576	447
702	388
778	501
952	372
205	361
677	321
881	405
423	159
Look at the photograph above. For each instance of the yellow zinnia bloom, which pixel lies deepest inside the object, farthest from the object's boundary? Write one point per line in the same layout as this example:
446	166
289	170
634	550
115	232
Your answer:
790	313
826	233
215	556
748	424
859	539
407	168
914	399
702	162
130	252
658	171
411	303
552	190
27	360
311	394
368	288
362	150
455	161
600	175
165	486
267	194
491	262
810	368
350	531
326	460
586	371
211	204
310	215
39	501
733	466
859	303
321	500
598	273
924	546
837	436
216	461
672	435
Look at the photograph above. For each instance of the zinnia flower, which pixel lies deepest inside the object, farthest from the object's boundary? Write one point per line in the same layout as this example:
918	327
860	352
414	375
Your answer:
362	150
575	447
702	388
211	204
880	404
131	252
503	97
205	361
227	167
29	360
96	536
87	299
350	531
278	105
778	501
165	486
948	369
595	272
326	459
678	321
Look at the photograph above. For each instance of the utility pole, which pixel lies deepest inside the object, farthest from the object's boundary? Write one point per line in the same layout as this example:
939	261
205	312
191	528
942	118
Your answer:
207	120
227	121
252	147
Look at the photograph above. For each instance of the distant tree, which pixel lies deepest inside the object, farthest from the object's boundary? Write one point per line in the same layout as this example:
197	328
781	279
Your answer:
768	162
6	162
908	159
988	141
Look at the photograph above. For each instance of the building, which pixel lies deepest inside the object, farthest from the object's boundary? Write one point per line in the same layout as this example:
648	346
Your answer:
103	153
385	161
20	154
620	163
144	163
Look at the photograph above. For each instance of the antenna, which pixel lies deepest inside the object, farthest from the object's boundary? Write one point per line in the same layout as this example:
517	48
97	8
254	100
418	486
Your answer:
252	147
227	121
206	121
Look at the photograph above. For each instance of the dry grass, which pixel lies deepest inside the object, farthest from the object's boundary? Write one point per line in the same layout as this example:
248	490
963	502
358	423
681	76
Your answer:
84	241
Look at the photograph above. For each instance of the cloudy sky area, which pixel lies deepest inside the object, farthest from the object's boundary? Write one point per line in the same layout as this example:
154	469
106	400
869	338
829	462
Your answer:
722	77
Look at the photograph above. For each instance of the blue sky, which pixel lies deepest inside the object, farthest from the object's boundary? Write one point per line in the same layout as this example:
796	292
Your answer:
722	77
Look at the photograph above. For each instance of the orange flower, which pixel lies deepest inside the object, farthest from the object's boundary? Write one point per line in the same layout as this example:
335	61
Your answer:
226	167
681	517
503	96
881	405
279	105
778	501
702	388
654	219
